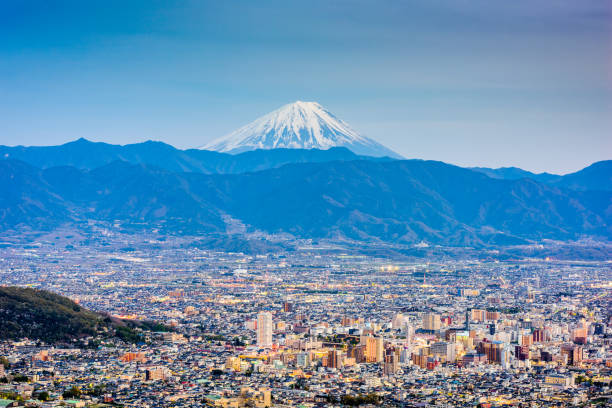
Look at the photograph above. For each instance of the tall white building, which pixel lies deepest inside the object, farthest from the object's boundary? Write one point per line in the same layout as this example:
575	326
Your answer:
506	357
264	329
398	322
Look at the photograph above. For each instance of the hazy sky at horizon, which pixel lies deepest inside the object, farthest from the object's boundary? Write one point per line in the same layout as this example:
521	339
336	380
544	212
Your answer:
474	83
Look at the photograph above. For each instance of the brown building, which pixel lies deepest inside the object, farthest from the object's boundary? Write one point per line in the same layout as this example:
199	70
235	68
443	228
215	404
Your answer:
573	353
521	352
546	356
419	360
538	336
334	359
493	351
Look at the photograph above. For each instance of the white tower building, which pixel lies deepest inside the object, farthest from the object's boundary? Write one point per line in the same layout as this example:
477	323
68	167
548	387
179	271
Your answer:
264	329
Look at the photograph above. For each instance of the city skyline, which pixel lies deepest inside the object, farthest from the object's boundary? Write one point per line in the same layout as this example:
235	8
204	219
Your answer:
302	328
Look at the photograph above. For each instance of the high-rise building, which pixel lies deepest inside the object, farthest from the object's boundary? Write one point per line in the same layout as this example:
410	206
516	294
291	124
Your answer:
492	316
405	355
419	360
391	362
431	322
526	340
506	356
521	352
264	329
287	307
579	334
408	330
251	324
478	315
233	363
334	359
302	359
463	337
445	350
546	356
573	353
374	349
399	320
493	351
538	335
358	353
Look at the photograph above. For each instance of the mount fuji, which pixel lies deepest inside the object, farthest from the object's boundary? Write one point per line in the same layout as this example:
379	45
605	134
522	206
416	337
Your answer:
298	125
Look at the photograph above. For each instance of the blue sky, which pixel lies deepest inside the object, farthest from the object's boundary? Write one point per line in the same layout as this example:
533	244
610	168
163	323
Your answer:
482	82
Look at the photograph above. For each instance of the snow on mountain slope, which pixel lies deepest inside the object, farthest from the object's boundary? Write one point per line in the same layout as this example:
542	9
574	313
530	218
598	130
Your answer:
299	125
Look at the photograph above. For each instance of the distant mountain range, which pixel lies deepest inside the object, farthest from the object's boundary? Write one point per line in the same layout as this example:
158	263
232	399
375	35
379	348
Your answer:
332	193
299	125
515	173
84	154
597	176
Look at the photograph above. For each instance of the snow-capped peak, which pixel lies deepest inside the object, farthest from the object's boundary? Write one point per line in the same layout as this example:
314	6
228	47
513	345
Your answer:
298	125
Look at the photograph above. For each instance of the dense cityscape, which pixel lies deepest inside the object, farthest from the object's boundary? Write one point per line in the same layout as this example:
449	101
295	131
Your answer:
312	327
305	204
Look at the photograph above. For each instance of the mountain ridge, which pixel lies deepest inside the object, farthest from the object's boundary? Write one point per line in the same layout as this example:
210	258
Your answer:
404	201
86	154
515	173
596	176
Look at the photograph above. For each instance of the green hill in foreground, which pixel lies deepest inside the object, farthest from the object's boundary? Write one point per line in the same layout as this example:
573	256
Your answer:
42	315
